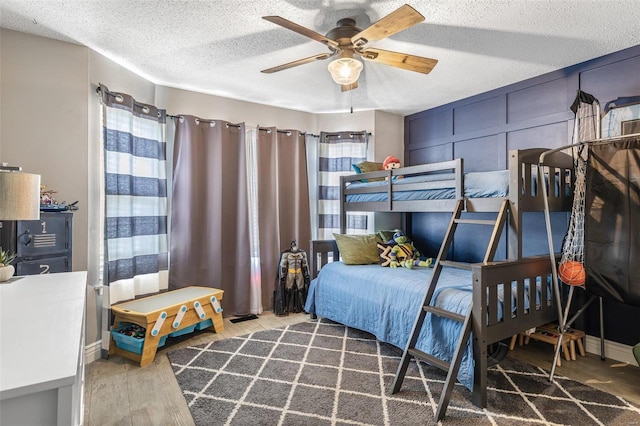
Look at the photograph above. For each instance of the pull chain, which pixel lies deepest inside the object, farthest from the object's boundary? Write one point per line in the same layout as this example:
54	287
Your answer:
351	94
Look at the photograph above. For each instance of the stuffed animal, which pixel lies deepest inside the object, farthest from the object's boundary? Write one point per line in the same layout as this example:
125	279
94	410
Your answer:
405	254
391	163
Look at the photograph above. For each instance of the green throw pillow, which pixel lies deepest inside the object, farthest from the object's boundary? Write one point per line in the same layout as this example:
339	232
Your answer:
387	235
358	249
369	166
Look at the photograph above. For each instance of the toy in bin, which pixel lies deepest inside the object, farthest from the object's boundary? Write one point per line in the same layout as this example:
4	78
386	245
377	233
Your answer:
130	337
132	330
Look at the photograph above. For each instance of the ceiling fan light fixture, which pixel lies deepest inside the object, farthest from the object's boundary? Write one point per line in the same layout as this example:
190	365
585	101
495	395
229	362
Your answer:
345	70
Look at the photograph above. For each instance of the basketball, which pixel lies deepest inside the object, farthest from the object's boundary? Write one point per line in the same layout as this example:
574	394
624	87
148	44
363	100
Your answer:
572	272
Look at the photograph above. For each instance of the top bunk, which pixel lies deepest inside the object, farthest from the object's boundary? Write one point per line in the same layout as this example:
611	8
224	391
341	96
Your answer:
436	187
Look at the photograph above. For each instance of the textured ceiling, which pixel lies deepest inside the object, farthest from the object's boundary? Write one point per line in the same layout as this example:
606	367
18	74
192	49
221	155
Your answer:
219	47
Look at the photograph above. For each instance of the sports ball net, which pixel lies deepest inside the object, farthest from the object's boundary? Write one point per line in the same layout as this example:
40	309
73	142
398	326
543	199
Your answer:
586	127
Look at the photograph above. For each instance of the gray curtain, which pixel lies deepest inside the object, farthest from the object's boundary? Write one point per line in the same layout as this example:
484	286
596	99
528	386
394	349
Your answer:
283	200
209	240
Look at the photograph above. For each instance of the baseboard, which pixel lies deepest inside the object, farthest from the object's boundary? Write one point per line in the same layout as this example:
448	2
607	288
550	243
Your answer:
93	352
612	350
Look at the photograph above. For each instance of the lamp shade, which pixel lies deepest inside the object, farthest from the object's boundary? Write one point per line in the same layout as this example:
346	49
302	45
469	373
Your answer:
345	70
19	196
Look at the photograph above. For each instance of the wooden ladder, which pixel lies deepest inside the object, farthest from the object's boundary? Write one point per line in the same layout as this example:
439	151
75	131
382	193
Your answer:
410	351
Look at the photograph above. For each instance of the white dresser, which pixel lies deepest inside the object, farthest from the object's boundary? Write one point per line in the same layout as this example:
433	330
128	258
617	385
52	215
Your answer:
42	349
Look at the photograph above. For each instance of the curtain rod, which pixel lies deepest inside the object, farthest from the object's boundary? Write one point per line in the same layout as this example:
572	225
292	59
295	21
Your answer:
99	91
107	91
351	134
200	120
119	98
287	132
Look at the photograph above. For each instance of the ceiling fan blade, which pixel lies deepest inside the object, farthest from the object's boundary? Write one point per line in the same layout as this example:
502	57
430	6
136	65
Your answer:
302	31
298	62
398	20
347	87
399	60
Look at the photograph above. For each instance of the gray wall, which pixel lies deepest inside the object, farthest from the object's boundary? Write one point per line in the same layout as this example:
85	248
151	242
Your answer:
532	113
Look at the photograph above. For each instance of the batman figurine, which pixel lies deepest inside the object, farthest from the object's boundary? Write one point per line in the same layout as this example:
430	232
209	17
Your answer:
293	282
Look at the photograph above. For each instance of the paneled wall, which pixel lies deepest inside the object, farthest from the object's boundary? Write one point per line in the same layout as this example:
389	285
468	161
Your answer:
484	128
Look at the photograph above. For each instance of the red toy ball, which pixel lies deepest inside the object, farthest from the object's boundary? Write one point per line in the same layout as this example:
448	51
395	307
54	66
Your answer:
572	272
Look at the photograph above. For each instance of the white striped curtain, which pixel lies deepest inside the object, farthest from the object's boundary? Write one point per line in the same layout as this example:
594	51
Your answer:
337	152
136	241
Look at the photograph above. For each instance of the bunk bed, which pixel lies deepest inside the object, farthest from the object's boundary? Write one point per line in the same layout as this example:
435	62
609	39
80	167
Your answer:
436	187
507	297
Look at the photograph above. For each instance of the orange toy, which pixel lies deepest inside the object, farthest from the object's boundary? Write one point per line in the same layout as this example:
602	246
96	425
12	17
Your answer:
572	272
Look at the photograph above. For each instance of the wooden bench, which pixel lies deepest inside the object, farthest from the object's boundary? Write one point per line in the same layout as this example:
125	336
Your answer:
164	314
548	333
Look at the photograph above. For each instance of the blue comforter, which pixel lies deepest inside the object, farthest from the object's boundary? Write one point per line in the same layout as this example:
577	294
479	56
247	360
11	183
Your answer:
385	302
476	185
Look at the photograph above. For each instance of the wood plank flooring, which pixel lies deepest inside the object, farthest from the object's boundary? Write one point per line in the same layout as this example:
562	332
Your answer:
118	392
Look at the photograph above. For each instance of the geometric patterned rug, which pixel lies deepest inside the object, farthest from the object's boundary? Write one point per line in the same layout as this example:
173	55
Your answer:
323	373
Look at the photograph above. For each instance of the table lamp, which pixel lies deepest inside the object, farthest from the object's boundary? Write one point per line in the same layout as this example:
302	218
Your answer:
19	200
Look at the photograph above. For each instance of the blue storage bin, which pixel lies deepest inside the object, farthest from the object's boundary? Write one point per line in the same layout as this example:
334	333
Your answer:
204	324
162	341
126	342
183	331
130	343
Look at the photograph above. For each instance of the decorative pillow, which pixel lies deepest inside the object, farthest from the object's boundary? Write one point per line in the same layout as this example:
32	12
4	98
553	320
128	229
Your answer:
387	235
358	249
369	166
384	253
366	167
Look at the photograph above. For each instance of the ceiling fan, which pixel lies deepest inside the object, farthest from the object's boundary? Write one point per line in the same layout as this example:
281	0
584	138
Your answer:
346	41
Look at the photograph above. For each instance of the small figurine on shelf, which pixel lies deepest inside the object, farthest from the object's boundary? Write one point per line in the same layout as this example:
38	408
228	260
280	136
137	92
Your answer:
49	204
46	197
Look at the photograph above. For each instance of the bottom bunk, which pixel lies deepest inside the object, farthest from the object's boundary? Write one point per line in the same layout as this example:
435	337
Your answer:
385	301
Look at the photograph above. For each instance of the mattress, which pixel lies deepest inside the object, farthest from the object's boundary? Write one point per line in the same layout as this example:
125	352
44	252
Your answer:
491	184
385	301
476	185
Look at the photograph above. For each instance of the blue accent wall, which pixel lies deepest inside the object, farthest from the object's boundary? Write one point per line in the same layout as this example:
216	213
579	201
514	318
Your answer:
482	130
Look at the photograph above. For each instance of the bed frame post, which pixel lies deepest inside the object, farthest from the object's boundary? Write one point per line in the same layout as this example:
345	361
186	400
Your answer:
343	210
321	248
479	395
515	216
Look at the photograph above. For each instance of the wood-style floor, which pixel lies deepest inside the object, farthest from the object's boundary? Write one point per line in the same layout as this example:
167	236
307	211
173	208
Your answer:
118	392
